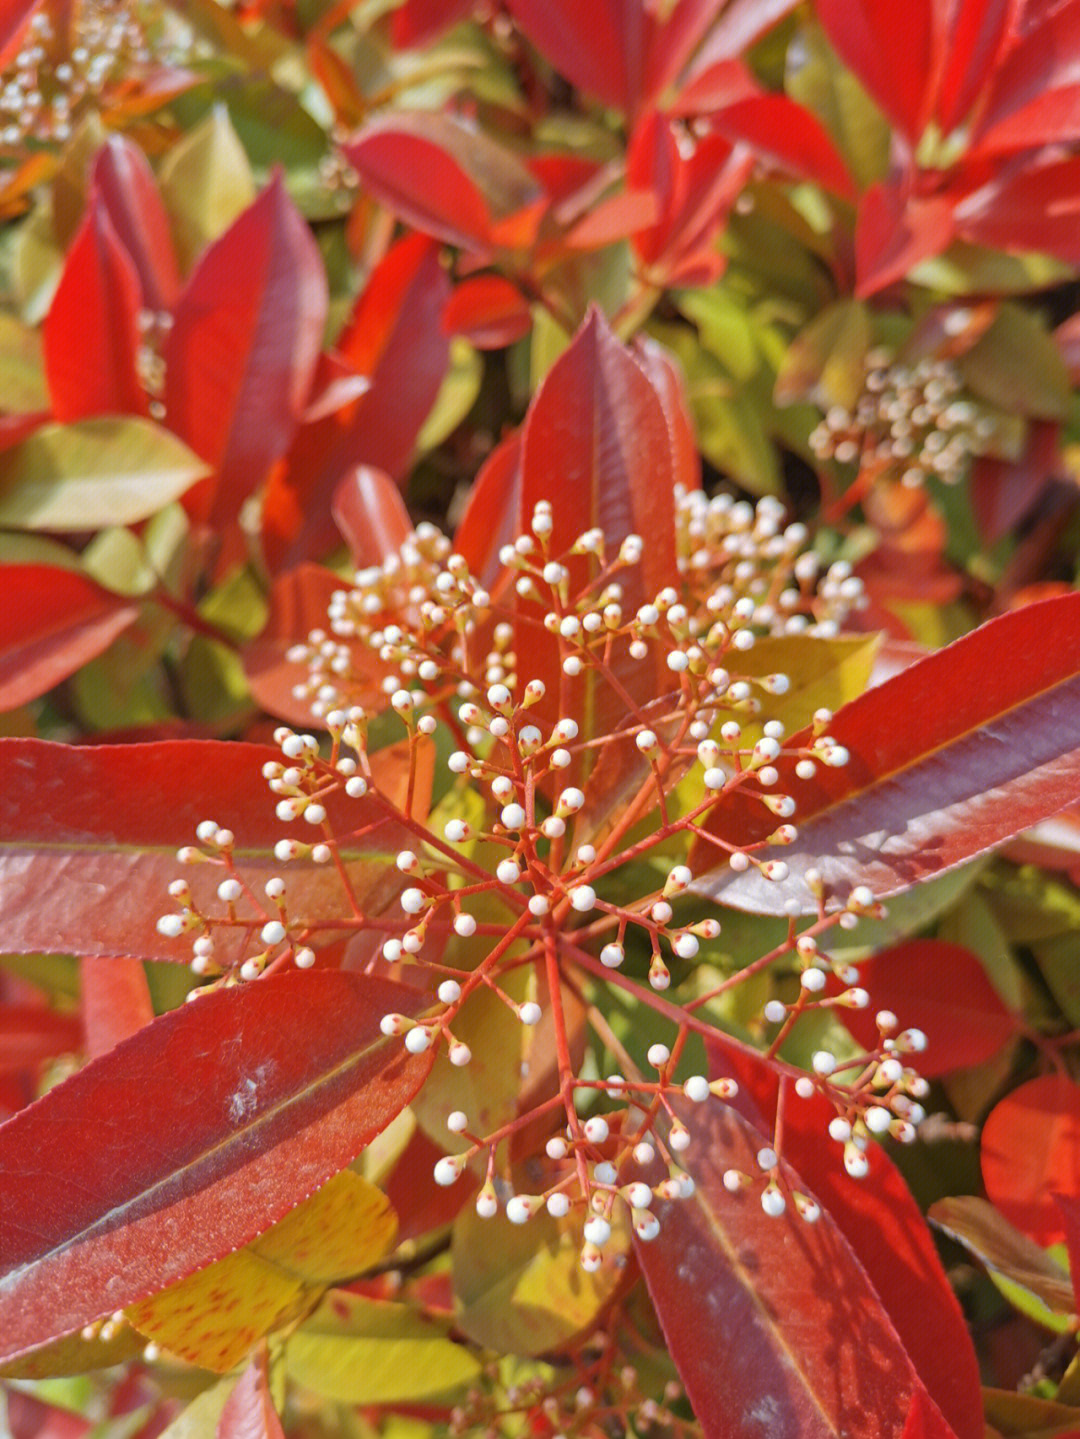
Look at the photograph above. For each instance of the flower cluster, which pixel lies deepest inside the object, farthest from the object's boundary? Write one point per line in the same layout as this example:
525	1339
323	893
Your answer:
529	887
910	422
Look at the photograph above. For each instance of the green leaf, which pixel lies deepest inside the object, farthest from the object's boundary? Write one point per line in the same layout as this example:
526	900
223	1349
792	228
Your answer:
1017	365
368	1351
206	182
831	91
22	378
96	472
826	361
456	397
966	269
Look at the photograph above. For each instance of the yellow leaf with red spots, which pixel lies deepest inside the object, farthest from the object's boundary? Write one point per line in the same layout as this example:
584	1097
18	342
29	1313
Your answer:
215	1316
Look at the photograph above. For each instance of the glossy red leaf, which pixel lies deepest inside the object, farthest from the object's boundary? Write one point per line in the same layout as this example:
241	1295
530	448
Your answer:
14	23
893	49
130	195
395	337
896	230
624	52
115	1000
32	1033
785	1334
443	177
298	604
669	382
90	337
371	515
956	754
1027	205
242	352
257	1095
489	311
1030	1151
1034	93
596	445
249	1411
887	1232
942	989
52	621
492	507
97	829
978	31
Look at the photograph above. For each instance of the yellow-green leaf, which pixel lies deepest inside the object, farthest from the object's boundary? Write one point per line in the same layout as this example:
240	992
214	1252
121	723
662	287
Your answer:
96	472
369	1351
206	182
213	1317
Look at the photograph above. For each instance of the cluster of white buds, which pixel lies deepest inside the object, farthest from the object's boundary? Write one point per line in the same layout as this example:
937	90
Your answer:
913	420
597	1397
52	79
754	575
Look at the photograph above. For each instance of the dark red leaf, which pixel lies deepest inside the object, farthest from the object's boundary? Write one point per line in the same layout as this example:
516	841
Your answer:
772	1322
1027	205
1030	1151
888	1234
949	758
97	829
90	337
249	1411
894	50
1069	1208
492	507
895	230
669	383
130	195
115	1000
32	1033
1003	492
1034	93
242	352
489	311
395	337
442	176
14	22
257	1095
52	622
943	990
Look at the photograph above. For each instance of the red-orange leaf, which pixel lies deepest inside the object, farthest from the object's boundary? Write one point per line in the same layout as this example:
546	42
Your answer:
1030	1151
115	1000
954	755
489	311
90	337
31	1033
243	349
249	1411
773	1322
256	1095
52	621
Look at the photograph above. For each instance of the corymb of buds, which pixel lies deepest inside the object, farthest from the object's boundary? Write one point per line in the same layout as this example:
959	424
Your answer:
512	891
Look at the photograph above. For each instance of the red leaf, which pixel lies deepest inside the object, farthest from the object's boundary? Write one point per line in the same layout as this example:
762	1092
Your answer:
257	1095
1030	1151
668	381
894	50
596	445
441	176
924	1420
490	518
949	758
242	352
14	22
895	230
489	311
90	337
97	829
417	22
115	1000
785	1334
888	1234
249	1411
130	195
740	26
788	136
1034	94
31	1033
1027	205
371	515
52	622
1004	491
395	337
978	30
625	52
943	990
1069	1208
